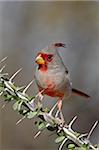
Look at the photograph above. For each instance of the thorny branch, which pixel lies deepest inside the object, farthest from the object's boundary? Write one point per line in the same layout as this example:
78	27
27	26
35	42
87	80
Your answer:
30	106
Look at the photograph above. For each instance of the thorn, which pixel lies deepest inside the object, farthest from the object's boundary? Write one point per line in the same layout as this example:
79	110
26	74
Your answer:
52	109
61	146
4	105
26	88
72	121
2	69
1	93
4	74
82	135
39	95
37	134
19	121
3	59
92	147
13	76
20	88
92	129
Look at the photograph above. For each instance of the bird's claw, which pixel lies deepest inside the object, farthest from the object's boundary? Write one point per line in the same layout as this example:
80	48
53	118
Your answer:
62	117
40	96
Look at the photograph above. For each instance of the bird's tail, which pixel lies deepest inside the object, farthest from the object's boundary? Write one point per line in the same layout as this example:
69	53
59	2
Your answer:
80	93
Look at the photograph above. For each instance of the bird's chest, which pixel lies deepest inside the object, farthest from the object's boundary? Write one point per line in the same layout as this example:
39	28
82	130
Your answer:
46	79
54	83
49	82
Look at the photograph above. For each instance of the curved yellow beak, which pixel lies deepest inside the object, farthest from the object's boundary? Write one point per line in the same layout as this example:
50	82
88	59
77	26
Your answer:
39	60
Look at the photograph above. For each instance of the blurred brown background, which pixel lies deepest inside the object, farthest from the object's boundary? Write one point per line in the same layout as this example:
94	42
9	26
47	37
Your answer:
26	27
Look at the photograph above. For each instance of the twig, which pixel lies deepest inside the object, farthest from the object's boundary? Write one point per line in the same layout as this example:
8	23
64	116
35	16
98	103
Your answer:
53	123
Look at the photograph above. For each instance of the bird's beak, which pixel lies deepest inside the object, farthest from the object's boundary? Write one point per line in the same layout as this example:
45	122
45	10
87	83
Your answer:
39	60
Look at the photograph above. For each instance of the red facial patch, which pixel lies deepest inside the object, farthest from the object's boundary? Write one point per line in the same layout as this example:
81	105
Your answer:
46	57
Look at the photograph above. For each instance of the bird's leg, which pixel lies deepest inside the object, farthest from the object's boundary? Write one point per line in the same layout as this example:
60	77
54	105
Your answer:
56	115
60	109
40	99
40	96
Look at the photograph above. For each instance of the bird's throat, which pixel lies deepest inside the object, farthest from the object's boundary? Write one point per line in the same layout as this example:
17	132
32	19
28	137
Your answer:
42	67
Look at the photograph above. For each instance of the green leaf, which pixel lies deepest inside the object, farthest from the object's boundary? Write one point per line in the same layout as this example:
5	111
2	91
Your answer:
47	110
71	146
19	105
15	106
86	146
31	114
59	139
8	97
41	126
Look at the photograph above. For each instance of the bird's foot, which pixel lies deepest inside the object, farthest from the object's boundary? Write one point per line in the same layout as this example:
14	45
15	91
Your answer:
40	95
62	118
60	111
53	108
40	98
59	115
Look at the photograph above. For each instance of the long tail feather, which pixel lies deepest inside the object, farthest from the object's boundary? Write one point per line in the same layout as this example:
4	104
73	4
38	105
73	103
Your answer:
80	93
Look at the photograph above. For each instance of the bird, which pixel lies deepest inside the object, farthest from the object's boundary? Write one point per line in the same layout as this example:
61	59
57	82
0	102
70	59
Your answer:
52	76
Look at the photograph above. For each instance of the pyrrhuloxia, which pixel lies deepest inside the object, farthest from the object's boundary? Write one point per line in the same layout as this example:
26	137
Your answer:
52	76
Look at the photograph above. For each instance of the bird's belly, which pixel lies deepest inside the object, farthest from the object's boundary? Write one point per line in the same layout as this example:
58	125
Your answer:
55	90
53	93
51	89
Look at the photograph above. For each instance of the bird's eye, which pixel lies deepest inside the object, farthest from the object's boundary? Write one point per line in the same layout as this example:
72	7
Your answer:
49	57
67	71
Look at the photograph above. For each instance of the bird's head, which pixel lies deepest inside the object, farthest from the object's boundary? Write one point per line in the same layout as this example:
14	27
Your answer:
48	56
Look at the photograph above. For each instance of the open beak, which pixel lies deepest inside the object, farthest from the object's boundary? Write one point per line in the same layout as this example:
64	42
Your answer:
39	60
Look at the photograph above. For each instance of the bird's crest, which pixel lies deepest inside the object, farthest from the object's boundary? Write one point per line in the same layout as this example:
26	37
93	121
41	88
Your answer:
59	45
53	48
